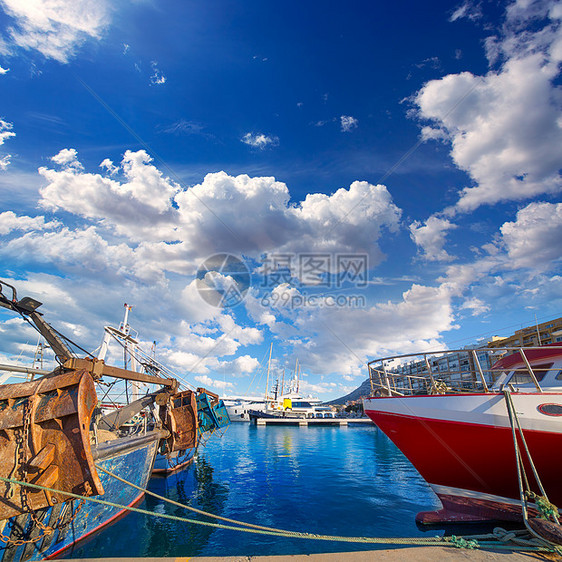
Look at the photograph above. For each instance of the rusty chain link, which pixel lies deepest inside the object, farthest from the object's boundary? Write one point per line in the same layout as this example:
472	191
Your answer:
22	441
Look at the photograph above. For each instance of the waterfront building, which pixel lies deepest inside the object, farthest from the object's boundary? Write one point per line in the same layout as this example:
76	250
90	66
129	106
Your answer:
460	366
539	334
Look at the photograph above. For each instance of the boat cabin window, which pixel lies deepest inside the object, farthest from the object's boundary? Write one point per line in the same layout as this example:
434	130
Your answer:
521	374
301	404
559	376
500	379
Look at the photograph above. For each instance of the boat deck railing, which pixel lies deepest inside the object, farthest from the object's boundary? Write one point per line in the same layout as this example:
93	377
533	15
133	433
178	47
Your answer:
455	371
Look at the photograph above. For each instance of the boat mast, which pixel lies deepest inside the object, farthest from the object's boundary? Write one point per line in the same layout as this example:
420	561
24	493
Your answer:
129	351
268	366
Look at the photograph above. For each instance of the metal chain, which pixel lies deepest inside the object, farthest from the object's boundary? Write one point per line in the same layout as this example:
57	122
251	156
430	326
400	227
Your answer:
59	525
10	492
23	469
22	441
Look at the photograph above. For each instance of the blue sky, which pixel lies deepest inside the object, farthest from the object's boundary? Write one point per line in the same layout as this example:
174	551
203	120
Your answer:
388	175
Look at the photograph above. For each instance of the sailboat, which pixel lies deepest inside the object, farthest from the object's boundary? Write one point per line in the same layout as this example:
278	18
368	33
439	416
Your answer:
277	402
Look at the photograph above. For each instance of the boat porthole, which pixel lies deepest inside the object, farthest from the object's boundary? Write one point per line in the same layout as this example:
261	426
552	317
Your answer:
550	409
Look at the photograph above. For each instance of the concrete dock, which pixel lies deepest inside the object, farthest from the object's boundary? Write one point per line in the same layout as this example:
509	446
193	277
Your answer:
411	554
312	421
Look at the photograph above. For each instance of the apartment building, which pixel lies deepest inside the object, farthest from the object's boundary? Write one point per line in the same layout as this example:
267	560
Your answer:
539	334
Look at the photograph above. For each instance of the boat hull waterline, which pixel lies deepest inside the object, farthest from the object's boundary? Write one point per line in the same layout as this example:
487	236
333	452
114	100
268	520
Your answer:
167	464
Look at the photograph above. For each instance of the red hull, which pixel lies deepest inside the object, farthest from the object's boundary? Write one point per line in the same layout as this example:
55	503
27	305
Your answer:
468	463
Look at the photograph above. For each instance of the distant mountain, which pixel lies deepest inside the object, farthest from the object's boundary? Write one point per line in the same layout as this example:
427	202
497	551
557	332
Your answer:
362	391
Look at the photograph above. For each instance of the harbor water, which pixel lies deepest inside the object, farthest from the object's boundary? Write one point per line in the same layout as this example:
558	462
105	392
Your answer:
349	481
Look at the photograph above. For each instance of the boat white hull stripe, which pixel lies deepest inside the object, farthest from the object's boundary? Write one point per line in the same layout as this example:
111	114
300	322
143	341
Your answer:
477	409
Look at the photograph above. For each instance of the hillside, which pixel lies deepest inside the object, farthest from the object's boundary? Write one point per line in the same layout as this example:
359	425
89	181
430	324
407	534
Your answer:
360	392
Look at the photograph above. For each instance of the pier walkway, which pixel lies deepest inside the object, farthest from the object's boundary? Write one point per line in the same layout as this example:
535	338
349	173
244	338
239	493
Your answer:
411	554
313	421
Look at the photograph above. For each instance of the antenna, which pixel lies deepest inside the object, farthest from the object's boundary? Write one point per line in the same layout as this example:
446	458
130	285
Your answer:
125	324
538	333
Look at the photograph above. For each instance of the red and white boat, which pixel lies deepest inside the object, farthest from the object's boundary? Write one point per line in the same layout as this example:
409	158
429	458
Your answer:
455	427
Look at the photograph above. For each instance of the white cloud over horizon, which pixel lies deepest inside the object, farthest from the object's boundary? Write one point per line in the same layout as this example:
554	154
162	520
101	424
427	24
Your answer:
135	231
330	340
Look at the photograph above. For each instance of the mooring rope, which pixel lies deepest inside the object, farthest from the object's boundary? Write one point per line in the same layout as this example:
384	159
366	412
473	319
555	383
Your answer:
185	506
452	541
546	509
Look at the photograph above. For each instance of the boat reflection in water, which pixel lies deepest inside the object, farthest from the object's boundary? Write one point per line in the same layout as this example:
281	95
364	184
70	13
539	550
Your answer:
196	487
324	480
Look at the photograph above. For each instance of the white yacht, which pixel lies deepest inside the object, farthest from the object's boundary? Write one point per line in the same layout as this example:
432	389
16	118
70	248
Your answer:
277	402
238	406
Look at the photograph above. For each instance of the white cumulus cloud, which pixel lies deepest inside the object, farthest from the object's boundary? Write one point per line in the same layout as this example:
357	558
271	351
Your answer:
240	215
260	140
55	28
157	78
431	237
68	158
534	239
5	161
505	127
6	131
348	123
10	222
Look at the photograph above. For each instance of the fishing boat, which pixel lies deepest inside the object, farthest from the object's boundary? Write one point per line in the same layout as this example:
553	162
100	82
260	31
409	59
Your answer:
290	404
207	410
291	408
482	426
60	451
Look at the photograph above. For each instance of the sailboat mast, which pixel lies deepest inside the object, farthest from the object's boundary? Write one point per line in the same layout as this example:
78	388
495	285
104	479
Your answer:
268	366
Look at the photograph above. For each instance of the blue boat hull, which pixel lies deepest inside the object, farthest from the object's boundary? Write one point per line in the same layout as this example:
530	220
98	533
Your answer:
166	464
131	459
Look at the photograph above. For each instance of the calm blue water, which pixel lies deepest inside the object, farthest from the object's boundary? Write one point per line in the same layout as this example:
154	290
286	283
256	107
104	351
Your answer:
328	480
